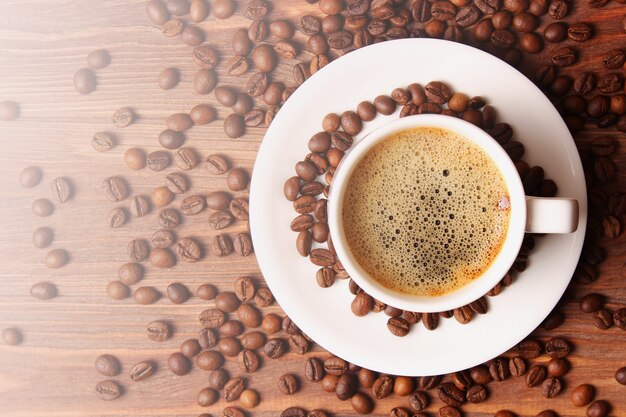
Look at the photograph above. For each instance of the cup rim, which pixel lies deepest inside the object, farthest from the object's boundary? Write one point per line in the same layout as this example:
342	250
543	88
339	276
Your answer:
471	291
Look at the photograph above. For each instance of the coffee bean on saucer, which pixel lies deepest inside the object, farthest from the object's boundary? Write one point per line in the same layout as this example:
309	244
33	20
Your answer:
108	390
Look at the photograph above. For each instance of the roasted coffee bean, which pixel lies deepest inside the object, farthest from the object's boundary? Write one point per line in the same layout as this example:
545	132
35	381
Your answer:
229	346
218	379
558	9
207	338
591	303
275	348
239	208
614	59
609	83
158	331
123	117
322	257
146	295
190	348
207	397
62	191
309	25
206	291
582	395
84	83
362	304
383	386
398	326
205	81
264	58
271	323
234	126
313	370
168	78
584	83
335	366
220	219
340	40
288	384
517	366
117	291
139	206
242	244
499	369
162	258
98	59
304	242
341	140
361	403
430	320
476	394
108	365
256	9
558	367
603	319
253	340
218	200
249	315
31	176
222	245
158	160
347	385
227	302
157	12
528	349
258	30
161	196
451	395
231	328
43	236
502	39
172	28
212	318
580	32
138	250
619	318
108	390
462	380
536	375
599	408
620	375
141	371
351	123
531	43
555	32
557	348
243	106
481	375
282	29
524	22
604	170
419	400
210	360
563	57
502	19
551	387
438	92
177	293
231	411
101	142
232	389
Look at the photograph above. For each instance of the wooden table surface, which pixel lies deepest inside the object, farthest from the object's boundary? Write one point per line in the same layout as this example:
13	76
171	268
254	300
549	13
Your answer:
42	43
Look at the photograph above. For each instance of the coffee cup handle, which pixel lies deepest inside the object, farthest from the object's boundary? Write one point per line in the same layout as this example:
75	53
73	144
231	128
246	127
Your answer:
551	215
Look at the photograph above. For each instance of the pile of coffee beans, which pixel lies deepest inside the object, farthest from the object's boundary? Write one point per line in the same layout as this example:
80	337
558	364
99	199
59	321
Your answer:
327	148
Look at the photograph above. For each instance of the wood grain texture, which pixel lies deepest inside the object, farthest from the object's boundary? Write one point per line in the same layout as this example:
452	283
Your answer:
42	43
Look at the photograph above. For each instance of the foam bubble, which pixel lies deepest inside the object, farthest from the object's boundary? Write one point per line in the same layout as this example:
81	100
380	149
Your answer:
426	211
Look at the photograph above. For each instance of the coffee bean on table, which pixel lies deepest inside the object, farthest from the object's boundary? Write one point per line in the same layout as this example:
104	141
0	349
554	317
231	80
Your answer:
502	39
275	348
172	28
231	328
233	389
591	303
177	293
146	295
599	408
557	348
108	365
223	9
56	258
563	57
528	349
162	258
190	348
138	250
288	384
140	371
264	297
620	375
168	78
499	370
242	244
205	81
536	375
117	291
229	346
43	290
178	364
158	331
362	403
222	245
227	302
108	390
476	394
209	360
30	176
123	117
603	319
619	318
220	219
264	58
42	237
192	35
383	386
192	205
98	59
84	81
580	32
249	315
451	395
555	32
517	366
558	367
61	189
551	387
42	207
347	385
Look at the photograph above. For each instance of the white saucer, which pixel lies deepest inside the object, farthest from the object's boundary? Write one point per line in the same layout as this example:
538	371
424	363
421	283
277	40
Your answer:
324	314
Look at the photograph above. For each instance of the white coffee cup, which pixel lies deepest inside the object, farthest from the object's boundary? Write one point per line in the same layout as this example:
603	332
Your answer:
527	215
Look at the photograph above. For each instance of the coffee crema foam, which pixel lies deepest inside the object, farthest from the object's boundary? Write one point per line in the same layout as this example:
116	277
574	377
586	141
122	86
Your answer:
426	211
